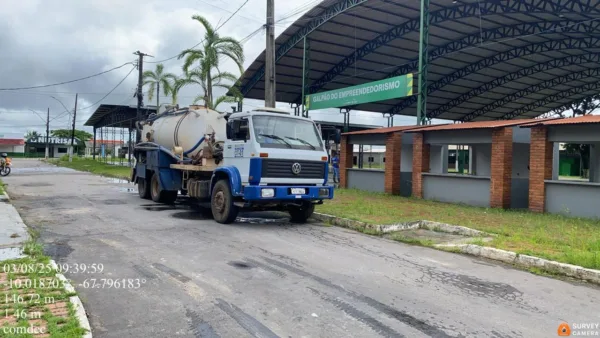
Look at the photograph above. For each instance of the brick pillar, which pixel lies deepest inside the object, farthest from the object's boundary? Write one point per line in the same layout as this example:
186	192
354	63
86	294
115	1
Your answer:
393	149
420	164
346	154
501	168
540	168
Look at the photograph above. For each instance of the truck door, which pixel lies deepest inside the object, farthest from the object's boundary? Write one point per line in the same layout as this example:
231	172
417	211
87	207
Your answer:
239	147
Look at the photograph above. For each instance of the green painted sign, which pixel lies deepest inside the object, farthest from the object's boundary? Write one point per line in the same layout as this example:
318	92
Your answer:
391	88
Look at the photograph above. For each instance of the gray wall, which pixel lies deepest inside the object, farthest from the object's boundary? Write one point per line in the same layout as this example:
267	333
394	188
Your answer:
406	157
406	183
573	198
521	135
583	133
364	179
482	154
368	139
469	136
436	159
519	192
457	189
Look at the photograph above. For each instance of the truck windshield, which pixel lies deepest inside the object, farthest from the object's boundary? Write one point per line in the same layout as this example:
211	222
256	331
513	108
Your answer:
285	132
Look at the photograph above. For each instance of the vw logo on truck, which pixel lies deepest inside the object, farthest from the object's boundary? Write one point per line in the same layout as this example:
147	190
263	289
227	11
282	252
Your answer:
296	168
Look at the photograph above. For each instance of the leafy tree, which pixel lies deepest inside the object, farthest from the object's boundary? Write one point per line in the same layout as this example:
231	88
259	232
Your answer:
175	88
32	135
207	59
154	79
81	135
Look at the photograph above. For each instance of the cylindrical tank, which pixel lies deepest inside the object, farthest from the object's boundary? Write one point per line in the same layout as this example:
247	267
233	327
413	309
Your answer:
185	129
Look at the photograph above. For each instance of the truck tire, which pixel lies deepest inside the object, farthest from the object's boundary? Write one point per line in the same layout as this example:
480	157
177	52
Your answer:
159	195
301	214
143	188
221	203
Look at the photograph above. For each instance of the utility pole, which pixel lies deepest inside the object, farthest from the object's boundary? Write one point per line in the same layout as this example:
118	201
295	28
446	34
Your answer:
73	130
140	96
270	56
47	133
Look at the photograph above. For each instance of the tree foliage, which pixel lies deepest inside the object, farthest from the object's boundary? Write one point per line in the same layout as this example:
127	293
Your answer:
32	135
157	78
202	66
81	135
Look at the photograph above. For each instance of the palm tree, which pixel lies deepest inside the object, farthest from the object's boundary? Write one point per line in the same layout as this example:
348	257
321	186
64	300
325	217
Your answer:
157	78
207	61
32	135
175	88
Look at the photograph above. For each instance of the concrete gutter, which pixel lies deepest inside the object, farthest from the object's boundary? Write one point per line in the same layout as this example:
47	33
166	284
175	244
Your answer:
509	257
15	225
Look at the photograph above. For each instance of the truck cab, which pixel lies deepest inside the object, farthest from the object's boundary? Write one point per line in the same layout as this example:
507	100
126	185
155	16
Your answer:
281	161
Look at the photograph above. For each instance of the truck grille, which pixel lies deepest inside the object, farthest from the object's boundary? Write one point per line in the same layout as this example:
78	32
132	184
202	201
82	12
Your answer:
276	168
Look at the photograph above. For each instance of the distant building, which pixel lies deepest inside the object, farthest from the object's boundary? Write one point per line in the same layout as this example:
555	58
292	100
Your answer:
109	147
12	143
58	146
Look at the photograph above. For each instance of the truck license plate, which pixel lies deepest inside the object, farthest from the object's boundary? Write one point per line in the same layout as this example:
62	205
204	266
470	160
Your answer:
298	191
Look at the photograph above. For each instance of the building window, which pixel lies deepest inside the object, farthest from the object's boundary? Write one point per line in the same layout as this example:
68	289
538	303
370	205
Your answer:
40	150
354	160
384	160
371	159
62	150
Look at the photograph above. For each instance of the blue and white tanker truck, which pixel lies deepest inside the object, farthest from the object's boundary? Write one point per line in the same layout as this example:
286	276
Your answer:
263	159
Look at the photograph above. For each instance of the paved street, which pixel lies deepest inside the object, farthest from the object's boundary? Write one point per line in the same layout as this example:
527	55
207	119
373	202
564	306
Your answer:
272	279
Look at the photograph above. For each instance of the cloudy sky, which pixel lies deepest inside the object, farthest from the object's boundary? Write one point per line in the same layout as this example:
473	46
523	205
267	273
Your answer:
50	41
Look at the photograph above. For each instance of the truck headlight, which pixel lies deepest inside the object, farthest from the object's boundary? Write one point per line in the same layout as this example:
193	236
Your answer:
267	193
324	192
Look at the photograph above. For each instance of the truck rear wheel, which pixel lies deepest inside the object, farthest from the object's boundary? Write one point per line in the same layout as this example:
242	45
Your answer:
301	214
221	203
143	188
161	196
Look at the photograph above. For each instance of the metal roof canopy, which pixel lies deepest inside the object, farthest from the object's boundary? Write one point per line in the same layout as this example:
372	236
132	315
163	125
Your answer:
117	116
488	60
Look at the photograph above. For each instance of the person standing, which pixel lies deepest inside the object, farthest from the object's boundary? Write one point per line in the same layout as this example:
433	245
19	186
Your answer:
335	163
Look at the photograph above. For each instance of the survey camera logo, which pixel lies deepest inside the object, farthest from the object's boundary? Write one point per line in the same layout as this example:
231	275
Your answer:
564	330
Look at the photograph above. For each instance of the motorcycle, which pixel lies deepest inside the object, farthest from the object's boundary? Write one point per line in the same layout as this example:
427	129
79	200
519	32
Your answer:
5	168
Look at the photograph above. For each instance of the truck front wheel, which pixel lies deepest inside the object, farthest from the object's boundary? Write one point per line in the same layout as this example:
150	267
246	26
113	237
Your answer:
301	214
143	188
161	196
221	203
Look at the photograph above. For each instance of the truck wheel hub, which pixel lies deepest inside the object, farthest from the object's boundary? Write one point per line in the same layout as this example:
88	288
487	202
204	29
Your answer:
220	201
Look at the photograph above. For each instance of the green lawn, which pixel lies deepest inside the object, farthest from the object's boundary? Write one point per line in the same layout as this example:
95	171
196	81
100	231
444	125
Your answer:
94	167
32	295
569	240
1	187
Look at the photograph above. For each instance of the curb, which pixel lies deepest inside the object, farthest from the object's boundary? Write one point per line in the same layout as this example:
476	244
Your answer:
75	301
509	257
77	304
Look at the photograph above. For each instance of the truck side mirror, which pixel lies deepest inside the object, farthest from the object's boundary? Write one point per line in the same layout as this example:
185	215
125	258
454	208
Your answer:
228	130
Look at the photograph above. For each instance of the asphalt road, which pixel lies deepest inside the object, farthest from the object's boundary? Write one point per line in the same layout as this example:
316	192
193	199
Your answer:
272	278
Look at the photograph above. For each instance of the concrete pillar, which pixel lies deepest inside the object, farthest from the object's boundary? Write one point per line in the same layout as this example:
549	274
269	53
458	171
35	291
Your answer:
444	159
393	151
595	163
421	153
346	153
501	168
555	160
472	159
540	168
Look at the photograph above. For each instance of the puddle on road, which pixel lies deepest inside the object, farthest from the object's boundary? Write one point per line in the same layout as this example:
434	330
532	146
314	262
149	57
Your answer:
17	170
11	253
129	190
37	184
116	180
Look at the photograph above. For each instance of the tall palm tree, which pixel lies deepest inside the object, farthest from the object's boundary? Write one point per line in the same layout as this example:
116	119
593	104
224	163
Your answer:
207	60
176	86
157	78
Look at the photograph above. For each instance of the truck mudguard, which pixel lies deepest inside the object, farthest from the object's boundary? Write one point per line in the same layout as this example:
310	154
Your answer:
232	174
169	179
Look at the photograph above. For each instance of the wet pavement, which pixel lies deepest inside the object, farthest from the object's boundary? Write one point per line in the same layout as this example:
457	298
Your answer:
183	275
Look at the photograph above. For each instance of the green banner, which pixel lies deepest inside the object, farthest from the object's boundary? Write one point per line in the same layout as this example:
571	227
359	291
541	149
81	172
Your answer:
391	88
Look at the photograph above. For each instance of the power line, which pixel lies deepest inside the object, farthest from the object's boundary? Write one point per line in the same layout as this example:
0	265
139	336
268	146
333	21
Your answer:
66	82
